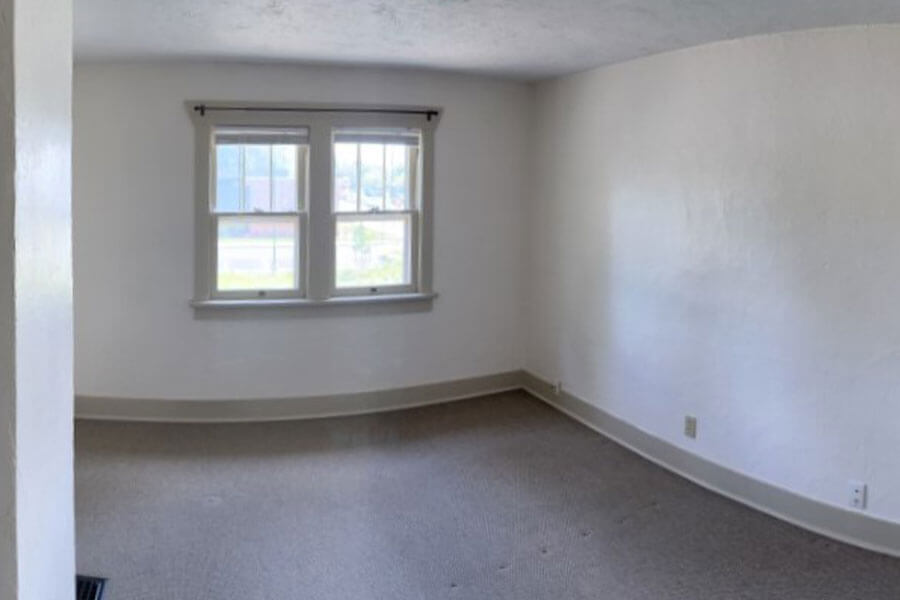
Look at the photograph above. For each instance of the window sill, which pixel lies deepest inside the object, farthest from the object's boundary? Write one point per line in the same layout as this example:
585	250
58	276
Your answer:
377	299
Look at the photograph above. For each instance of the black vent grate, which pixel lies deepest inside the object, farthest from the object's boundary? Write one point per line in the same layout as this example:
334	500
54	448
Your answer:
89	588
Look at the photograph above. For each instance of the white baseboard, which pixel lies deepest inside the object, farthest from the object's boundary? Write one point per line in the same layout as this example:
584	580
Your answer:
285	409
831	521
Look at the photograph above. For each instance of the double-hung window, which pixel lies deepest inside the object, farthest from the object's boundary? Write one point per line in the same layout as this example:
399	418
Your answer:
257	211
376	212
312	205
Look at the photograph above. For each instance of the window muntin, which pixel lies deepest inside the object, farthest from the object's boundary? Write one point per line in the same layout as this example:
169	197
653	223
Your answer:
259	170
375	170
375	204
258	197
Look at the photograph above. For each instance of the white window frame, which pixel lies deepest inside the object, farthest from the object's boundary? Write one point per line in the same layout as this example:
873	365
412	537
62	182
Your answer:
318	219
300	215
412	213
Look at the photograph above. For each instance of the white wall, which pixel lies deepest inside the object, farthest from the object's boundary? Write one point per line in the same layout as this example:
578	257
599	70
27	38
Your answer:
137	337
37	547
715	233
8	569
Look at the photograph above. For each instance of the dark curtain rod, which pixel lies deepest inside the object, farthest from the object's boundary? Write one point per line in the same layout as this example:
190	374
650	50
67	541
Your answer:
202	109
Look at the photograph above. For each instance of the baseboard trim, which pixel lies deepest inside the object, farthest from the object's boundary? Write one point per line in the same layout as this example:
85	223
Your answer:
105	408
844	525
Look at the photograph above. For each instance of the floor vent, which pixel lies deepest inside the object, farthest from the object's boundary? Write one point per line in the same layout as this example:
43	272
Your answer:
89	588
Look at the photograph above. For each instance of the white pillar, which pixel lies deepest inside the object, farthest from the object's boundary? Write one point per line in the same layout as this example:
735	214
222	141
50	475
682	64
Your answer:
37	549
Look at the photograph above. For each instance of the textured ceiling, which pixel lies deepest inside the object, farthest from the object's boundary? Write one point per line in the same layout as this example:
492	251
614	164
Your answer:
526	39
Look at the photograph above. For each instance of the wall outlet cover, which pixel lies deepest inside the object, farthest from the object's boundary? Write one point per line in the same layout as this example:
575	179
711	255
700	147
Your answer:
690	427
857	492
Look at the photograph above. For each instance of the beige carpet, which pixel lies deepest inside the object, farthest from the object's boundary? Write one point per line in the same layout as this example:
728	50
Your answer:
497	497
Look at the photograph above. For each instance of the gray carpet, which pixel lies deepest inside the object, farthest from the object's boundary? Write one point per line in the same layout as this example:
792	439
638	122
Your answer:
497	497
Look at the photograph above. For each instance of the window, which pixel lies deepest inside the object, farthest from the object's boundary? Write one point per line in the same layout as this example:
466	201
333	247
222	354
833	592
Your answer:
375	208
312	205
258	195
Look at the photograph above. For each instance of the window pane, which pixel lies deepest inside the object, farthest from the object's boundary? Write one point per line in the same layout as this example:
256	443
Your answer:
345	177
397	177
284	178
372	172
228	177
372	252
257	253
257	177
260	169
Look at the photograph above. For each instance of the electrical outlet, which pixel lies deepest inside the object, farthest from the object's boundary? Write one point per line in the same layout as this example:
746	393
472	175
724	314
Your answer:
558	387
857	494
690	427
